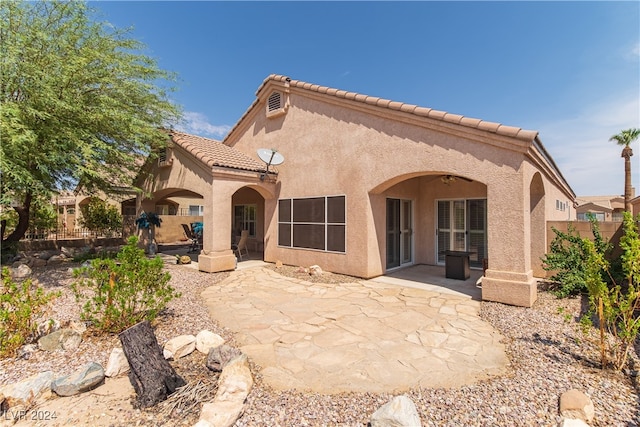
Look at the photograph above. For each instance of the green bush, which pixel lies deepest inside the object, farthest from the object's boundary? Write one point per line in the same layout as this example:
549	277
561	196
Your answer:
567	259
100	217
615	305
20	304
117	294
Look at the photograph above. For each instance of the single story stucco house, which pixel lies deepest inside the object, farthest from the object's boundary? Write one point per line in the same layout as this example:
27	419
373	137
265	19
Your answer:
368	185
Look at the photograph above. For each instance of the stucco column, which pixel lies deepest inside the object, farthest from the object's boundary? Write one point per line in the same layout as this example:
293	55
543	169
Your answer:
216	254
509	278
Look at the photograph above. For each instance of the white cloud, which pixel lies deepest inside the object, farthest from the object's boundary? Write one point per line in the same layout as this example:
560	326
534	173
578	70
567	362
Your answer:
198	124
581	148
634	52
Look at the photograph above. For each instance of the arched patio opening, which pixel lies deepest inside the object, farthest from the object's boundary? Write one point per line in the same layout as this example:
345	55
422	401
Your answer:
419	216
248	213
538	228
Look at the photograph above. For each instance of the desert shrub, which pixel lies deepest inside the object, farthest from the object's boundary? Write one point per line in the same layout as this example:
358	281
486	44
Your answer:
20	305
118	293
567	259
88	255
615	305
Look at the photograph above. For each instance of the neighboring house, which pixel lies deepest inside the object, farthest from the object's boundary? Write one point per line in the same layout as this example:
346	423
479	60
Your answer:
635	206
370	185
603	208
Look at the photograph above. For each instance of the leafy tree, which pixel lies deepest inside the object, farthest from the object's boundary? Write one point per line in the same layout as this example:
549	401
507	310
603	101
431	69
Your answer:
625	138
80	104
43	216
100	217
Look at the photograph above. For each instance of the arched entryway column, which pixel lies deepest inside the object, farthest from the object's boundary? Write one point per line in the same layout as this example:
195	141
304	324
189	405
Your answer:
509	278
216	253
538	224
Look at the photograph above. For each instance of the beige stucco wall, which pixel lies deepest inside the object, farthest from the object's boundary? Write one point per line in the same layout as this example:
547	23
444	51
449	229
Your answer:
334	148
337	146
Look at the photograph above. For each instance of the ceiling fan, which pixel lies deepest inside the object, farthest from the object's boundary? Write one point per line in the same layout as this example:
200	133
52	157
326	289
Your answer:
448	179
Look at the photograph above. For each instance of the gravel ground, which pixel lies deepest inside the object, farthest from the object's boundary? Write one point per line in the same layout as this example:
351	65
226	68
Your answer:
548	355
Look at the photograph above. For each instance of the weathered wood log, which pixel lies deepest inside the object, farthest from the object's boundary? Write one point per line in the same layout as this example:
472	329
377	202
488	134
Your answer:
151	375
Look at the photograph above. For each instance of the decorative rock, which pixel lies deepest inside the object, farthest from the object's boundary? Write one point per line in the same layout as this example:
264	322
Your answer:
46	255
84	379
184	259
38	262
26	351
55	259
117	364
180	346
62	339
206	340
48	326
79	327
303	270
278	264
234	385
67	252
27	389
399	412
220	356
315	270
21	271
575	404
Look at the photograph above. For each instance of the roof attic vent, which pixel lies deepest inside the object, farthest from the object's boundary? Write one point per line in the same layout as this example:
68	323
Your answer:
276	104
275	101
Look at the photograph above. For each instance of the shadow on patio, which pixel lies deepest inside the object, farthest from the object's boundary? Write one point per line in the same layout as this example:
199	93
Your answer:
432	278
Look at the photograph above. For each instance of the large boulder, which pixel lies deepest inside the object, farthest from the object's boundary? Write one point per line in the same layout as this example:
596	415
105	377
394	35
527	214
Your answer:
234	385
84	379
399	412
21	271
206	340
28	389
62	339
179	346
117	364
577	405
218	357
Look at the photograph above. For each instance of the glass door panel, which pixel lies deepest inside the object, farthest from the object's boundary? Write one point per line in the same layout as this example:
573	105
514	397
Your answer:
459	226
462	226
444	228
393	233
406	235
477	231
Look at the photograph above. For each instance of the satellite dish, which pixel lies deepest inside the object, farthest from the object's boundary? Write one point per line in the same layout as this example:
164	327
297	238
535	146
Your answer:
270	156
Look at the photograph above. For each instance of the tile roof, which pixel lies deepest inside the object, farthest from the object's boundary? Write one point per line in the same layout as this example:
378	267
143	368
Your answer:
215	153
429	113
608	202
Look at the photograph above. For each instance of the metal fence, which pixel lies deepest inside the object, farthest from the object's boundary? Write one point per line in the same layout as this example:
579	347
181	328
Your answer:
66	233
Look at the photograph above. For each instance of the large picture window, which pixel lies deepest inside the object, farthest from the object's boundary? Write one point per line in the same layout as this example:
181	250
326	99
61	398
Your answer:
313	223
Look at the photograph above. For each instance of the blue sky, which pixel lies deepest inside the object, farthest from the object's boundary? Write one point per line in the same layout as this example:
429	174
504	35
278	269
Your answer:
570	70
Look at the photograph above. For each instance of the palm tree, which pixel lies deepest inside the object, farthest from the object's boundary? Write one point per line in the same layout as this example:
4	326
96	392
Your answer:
625	138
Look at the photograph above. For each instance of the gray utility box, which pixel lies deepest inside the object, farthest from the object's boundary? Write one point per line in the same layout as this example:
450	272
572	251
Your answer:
456	264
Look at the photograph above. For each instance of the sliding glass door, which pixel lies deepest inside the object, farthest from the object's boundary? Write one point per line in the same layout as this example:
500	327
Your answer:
462	226
399	232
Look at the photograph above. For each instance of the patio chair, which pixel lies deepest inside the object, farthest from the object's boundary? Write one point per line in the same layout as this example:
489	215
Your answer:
193	239
242	244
